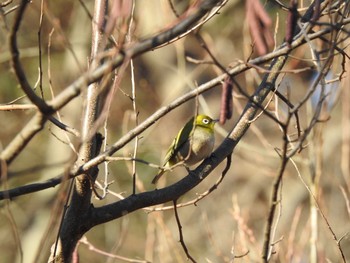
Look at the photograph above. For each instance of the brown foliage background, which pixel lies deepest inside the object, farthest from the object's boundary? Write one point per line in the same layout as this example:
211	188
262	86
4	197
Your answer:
228	223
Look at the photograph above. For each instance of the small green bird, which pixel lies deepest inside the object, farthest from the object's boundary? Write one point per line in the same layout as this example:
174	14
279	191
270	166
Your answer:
193	143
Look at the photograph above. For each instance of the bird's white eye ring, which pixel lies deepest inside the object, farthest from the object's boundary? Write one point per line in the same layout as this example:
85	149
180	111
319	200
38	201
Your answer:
205	121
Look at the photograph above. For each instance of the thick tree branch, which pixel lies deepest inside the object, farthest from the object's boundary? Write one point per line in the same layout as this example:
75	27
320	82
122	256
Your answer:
82	191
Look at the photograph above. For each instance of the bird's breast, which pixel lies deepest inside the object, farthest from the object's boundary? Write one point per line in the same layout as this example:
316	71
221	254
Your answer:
201	144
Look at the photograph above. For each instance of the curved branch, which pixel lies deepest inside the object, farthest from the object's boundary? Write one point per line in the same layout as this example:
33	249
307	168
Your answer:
17	66
134	202
30	188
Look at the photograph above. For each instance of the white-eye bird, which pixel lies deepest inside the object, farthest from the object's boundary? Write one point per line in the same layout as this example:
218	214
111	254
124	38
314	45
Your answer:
193	143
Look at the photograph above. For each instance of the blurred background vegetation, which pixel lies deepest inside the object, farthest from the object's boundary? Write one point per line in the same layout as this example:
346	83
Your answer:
231	220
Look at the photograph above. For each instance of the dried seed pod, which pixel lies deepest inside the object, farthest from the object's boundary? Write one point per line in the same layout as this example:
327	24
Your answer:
226	100
291	21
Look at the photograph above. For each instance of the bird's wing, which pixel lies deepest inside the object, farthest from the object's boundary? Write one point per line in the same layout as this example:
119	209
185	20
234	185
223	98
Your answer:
175	146
179	140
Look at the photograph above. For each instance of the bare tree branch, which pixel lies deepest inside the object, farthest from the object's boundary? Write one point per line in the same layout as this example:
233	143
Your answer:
35	125
182	241
274	197
20	74
85	183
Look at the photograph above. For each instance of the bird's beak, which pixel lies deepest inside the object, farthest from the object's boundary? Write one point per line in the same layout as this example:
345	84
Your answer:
216	120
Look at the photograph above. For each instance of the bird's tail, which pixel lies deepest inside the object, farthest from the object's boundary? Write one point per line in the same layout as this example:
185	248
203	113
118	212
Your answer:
156	178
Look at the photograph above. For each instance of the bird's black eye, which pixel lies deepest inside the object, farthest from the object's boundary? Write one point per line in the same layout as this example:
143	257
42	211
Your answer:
205	121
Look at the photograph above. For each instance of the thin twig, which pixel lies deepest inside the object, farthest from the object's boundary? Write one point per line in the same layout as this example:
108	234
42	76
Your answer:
40	49
91	247
200	196
133	99
12	107
182	241
312	195
8	212
266	253
17	66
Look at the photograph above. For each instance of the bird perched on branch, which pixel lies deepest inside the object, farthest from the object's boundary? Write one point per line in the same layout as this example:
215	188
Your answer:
193	143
